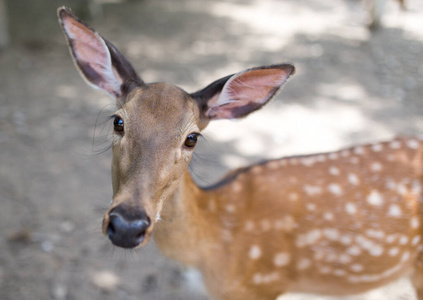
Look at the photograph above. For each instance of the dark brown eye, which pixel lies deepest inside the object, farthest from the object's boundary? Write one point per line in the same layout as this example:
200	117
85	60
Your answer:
118	124
191	140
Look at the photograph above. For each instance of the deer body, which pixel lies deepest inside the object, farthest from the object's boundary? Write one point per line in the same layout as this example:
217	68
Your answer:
336	223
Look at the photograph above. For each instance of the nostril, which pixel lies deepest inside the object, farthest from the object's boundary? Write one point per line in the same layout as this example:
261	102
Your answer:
111	227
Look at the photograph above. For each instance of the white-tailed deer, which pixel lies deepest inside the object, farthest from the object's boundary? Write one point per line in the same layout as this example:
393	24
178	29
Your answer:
334	223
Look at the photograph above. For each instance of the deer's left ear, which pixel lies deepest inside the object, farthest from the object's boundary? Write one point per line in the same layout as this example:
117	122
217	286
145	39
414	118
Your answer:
238	95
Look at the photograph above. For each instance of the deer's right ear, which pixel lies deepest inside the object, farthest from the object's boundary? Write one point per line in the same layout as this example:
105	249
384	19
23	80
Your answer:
100	63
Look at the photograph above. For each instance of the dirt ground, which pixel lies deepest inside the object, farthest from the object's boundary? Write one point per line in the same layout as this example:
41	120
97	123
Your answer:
351	86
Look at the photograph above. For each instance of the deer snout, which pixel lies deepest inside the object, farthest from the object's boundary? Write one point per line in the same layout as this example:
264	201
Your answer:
127	226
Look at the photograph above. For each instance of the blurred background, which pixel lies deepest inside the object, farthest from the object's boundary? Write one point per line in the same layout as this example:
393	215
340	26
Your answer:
353	85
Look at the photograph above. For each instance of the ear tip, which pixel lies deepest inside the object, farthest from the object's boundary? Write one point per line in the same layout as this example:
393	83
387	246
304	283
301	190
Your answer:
64	12
288	67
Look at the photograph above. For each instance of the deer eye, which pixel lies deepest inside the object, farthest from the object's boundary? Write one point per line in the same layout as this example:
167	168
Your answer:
118	124
191	140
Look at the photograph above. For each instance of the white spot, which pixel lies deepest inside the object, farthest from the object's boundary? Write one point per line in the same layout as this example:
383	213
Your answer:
376	167
281	259
373	233
313	236
376	250
335	189
307	161
356	268
255	252
394	211
353	179
414	223
359	150
405	256
230	208
270	277
257	278
413	144
236	187
354	250
303	264
328	216
293	196
402	189
354	160
333	155
345	240
339	272
325	270
318	255
416	188
416	240
334	171
331	257
331	233
158	217
391	238
249	226
312	190
287	223
403	240
293	161
393	251
390	184
257	169
321	158
344	259
350	208
377	147
311	206
364	242
375	198
273	165
345	153
395	144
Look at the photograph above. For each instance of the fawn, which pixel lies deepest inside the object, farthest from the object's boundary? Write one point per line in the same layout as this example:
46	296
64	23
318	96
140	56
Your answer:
333	223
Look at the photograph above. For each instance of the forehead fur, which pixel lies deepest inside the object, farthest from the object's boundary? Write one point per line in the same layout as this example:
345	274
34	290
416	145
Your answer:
162	106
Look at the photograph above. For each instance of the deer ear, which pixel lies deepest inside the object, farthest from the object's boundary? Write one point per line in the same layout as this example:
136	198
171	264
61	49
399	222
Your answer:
100	63
236	96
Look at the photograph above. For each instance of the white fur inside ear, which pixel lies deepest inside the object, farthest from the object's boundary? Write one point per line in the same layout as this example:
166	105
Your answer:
228	94
249	86
90	48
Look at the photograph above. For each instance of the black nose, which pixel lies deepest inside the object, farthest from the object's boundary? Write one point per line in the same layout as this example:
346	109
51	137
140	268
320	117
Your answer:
127	226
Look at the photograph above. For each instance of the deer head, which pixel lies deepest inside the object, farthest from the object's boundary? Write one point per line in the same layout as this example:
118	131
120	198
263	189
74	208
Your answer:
156	126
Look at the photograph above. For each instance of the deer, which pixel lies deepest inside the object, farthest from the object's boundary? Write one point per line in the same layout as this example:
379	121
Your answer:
336	223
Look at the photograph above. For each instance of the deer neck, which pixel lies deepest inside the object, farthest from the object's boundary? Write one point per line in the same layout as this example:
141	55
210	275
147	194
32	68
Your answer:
182	225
